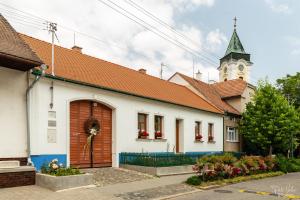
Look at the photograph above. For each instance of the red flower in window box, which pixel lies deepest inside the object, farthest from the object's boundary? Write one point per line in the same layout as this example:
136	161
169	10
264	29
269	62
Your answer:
143	134
198	137
158	135
210	138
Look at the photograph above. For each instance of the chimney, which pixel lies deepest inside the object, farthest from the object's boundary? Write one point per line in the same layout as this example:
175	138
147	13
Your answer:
199	76
143	71
77	48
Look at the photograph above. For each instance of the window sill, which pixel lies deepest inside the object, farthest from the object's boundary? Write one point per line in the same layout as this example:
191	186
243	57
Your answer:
211	142
144	139
198	141
159	140
232	141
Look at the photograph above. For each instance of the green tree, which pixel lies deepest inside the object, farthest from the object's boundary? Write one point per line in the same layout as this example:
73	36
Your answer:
289	86
269	122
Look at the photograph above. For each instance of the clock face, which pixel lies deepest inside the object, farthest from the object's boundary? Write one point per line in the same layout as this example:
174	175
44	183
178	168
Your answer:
241	67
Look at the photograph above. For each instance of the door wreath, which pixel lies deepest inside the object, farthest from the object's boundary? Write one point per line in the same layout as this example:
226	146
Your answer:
92	128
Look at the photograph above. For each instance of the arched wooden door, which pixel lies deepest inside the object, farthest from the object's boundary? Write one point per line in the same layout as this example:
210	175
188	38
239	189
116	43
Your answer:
101	155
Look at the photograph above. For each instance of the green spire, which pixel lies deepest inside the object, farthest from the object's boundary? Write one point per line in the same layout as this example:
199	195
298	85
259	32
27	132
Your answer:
235	45
235	49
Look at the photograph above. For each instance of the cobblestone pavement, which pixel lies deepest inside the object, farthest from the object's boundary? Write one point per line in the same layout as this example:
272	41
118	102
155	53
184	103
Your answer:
111	176
156	192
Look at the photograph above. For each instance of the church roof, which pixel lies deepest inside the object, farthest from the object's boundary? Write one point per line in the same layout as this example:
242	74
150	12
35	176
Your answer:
235	45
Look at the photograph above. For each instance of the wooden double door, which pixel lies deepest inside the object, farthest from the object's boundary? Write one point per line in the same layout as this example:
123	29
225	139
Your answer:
99	153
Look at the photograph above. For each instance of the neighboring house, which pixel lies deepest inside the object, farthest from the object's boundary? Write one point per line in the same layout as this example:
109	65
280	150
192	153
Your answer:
16	59
127	103
231	94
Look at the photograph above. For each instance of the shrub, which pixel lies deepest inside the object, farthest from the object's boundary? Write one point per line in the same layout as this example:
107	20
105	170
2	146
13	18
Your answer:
55	169
216	167
194	180
287	165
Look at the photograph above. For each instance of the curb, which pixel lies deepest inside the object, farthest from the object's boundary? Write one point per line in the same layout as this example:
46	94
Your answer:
178	195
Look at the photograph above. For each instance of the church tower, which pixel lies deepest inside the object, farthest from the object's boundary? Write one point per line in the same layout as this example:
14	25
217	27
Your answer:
236	62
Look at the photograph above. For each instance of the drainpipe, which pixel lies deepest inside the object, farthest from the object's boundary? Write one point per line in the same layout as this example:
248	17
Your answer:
43	67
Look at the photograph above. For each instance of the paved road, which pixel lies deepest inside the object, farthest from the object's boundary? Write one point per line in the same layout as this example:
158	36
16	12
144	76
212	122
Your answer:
287	184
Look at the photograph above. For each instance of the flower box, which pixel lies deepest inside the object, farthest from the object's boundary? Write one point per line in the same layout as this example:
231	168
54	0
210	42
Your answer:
158	135
198	137
143	135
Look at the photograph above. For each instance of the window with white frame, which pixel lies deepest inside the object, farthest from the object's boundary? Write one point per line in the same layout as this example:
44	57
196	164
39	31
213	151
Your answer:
232	134
52	127
142	125
158	126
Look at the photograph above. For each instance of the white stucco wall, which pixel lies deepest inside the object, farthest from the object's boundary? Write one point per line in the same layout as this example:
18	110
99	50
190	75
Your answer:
13	132
125	110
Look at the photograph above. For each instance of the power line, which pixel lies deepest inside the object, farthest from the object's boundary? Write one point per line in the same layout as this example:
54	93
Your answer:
157	32
161	22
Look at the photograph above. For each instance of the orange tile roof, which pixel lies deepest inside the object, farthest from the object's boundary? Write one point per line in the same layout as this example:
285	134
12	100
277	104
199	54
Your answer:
230	88
210	93
73	65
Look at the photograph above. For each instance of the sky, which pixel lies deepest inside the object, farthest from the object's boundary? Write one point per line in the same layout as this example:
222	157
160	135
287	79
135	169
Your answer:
195	39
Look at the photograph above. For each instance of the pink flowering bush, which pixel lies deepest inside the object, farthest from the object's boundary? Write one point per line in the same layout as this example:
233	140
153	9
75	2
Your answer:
216	167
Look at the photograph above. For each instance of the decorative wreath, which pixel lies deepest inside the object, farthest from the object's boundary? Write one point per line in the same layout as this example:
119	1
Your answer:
92	126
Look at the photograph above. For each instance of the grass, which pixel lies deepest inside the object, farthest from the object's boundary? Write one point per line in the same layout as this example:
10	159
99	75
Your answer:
239	179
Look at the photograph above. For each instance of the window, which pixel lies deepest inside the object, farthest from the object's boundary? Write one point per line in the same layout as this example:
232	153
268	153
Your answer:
51	131
232	134
158	125
142	125
198	134
210	132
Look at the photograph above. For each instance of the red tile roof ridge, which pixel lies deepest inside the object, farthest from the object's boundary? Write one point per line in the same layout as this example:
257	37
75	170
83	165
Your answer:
210	107
110	62
189	79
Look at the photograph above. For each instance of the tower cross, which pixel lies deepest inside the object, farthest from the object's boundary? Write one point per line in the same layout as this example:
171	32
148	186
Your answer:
234	19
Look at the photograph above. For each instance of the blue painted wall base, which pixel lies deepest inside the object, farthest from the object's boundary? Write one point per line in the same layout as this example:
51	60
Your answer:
40	160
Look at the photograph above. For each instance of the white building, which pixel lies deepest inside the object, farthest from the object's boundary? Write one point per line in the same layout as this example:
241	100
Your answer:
125	102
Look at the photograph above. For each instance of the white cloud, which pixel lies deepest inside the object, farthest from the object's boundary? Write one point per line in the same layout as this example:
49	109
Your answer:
123	41
215	39
278	7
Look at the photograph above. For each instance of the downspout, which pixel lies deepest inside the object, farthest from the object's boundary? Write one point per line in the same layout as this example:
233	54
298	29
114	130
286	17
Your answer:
37	78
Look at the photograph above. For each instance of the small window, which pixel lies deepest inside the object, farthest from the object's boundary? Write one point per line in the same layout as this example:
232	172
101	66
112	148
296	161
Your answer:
142	126
198	134
158	126
232	134
210	132
241	78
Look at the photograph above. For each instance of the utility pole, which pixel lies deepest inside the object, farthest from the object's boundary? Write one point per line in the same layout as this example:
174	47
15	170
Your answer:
52	28
193	67
161	69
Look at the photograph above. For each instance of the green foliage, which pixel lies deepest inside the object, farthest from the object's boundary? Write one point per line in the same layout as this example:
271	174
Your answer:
55	169
269	122
194	180
287	165
289	86
217	167
236	179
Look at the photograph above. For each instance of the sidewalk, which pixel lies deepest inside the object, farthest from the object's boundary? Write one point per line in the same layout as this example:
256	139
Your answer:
115	192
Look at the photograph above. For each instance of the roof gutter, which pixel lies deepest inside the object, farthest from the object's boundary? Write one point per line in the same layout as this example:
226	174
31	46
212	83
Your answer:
118	91
37	78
